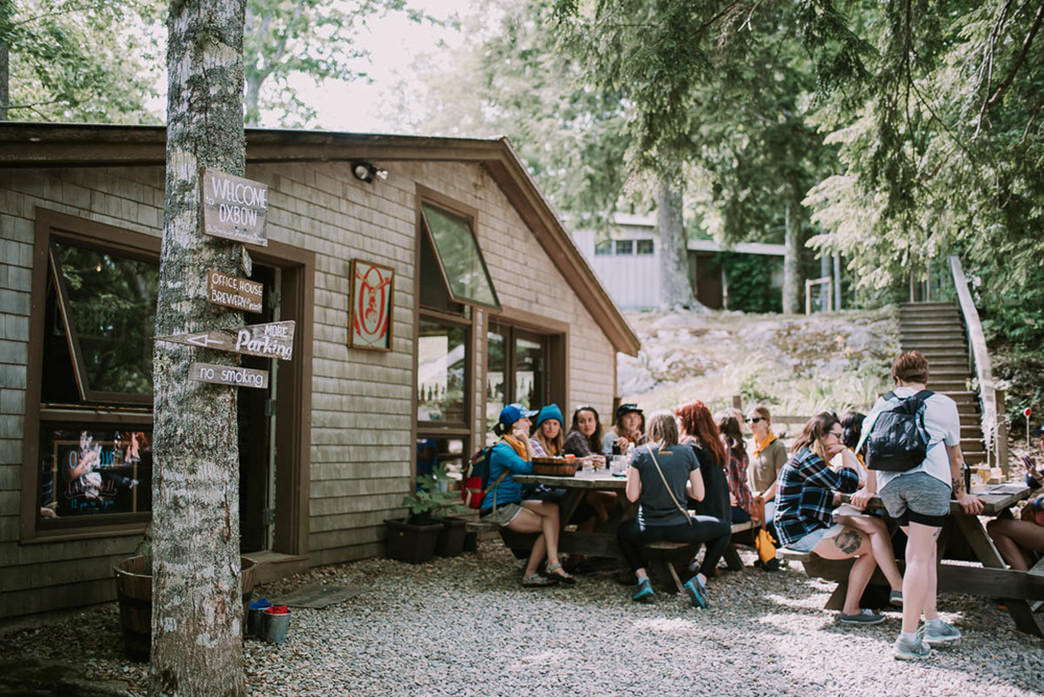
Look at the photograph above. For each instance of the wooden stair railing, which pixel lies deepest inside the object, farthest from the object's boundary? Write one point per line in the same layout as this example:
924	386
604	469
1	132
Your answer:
994	426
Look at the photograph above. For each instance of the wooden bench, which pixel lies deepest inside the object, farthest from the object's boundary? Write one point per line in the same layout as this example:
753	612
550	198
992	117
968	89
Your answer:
669	556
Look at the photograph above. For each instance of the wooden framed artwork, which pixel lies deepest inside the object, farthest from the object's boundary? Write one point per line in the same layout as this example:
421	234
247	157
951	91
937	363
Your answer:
370	306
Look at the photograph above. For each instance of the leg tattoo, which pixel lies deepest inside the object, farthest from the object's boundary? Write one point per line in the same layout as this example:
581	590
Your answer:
848	541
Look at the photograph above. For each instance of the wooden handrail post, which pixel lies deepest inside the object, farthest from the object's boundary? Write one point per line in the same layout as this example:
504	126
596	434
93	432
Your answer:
1002	435
737	402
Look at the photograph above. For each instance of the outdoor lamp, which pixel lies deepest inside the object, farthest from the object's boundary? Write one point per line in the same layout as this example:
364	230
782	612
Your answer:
365	171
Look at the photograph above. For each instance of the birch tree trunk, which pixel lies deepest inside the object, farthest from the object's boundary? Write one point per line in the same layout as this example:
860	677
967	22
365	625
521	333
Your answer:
675	286
197	597
792	286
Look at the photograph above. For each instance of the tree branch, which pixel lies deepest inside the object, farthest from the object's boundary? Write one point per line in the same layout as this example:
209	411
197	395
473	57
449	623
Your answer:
1019	59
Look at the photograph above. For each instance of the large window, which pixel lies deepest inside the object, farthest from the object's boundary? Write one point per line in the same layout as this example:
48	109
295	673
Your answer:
517	369
93	446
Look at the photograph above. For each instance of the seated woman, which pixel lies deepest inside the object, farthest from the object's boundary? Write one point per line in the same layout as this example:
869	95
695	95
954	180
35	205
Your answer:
1019	540
701	433
660	477
547	440
503	503
807	493
584	442
628	431
736	464
584	439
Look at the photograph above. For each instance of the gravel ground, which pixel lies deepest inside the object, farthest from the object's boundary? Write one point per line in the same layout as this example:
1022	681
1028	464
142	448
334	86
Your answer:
464	626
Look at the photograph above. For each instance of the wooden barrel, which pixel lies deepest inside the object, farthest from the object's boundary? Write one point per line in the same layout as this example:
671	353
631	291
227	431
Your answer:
134	593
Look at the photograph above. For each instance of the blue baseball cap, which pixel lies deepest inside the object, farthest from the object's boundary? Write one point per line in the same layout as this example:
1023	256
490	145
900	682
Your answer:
551	411
513	412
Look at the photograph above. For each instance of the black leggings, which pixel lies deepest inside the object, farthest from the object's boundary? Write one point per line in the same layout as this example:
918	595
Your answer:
704	528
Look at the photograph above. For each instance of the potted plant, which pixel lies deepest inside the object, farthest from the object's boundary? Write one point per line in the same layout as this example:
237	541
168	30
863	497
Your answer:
416	538
134	594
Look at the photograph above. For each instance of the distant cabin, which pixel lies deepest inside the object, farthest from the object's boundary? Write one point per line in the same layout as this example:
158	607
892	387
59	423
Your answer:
627	262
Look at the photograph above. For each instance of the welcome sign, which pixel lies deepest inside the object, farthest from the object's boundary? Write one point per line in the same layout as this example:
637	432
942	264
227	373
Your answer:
234	207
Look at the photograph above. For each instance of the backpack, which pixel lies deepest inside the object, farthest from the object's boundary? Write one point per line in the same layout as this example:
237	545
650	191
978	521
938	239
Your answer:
898	440
476	478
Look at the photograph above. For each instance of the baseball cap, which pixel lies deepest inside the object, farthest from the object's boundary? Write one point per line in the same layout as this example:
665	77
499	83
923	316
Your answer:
513	412
1038	431
627	409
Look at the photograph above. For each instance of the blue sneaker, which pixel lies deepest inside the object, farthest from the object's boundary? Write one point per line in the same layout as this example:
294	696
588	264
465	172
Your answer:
644	594
697	592
939	636
915	650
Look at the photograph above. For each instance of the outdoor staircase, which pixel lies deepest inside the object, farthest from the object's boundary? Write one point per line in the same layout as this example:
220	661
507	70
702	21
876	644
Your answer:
937	331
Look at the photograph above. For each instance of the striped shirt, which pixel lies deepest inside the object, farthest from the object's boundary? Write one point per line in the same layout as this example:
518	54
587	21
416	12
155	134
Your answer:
805	494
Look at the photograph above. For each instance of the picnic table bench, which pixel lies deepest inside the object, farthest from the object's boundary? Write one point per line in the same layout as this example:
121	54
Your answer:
964	539
601	542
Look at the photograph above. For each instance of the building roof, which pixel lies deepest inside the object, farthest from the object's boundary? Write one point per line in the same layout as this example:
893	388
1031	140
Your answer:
82	145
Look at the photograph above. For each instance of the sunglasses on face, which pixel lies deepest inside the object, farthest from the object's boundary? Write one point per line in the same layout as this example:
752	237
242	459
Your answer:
753	420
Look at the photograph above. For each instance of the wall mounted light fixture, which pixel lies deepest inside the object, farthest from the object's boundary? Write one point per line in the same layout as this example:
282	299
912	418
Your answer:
365	171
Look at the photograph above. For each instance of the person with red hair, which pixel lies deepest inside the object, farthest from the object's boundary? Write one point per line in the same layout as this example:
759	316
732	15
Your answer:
700	432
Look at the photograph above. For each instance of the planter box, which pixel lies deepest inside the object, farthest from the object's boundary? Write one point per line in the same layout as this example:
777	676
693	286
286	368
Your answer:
411	543
451	538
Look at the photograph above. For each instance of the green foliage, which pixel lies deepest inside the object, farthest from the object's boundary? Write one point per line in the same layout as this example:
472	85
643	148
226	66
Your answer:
750	282
81	60
432	498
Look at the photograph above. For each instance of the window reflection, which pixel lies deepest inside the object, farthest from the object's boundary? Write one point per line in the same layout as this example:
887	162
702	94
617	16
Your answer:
442	359
94	470
107	302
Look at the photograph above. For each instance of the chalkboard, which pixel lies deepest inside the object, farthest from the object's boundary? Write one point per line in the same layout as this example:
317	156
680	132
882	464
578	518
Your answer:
117	476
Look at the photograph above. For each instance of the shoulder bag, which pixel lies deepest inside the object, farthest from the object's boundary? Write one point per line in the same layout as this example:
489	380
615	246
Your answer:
688	518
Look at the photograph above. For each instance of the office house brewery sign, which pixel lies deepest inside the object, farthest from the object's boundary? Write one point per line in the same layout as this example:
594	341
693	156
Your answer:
234	207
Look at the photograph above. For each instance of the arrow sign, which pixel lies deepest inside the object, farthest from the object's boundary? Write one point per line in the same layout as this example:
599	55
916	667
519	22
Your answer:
272	340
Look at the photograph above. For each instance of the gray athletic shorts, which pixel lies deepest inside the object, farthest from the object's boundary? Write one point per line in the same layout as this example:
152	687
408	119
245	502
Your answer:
917	497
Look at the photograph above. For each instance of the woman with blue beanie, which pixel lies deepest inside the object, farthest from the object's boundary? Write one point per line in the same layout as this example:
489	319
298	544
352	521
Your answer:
548	438
503	502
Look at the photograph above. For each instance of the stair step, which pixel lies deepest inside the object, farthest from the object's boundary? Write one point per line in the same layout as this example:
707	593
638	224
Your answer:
927	304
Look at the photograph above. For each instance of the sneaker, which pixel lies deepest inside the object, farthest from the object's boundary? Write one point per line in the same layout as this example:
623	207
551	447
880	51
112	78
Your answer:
772	565
911	650
941	635
644	594
895	598
864	616
697	592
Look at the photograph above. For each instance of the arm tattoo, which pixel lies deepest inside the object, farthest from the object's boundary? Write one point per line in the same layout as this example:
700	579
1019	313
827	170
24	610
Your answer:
958	486
848	541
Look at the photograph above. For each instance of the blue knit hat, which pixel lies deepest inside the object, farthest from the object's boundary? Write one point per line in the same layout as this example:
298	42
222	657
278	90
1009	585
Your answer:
513	412
551	411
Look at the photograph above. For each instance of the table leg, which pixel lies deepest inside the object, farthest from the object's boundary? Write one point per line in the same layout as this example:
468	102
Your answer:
1020	610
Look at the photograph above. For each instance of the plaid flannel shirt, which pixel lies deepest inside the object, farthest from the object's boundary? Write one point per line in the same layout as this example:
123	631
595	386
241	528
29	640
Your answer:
805	494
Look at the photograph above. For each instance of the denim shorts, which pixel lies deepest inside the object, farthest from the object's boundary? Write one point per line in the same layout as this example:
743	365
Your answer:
917	497
809	541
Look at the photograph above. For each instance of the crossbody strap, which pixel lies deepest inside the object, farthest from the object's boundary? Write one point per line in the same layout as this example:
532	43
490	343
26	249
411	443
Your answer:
668	486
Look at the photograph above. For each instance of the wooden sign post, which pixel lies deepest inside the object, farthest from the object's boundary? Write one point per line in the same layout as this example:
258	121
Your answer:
272	340
234	207
229	375
234	292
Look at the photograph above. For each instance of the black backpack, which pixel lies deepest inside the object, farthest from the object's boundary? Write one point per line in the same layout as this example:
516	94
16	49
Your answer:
898	440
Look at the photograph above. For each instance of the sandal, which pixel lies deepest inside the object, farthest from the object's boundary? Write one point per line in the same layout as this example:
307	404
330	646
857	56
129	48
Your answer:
644	592
558	573
537	581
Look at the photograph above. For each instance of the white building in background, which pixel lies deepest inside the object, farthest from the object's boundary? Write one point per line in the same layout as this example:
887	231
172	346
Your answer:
627	262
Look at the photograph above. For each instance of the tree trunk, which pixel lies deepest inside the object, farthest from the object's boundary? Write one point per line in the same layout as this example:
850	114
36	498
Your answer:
6	7
197	600
253	92
792	287
837	281
675	286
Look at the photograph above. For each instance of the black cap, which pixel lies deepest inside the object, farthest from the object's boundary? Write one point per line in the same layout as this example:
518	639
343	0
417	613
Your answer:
628	408
1038	431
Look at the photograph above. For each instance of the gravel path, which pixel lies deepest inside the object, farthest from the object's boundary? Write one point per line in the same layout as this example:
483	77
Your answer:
464	626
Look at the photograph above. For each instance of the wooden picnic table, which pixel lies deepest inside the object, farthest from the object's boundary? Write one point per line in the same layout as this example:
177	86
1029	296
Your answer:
600	543
1020	590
